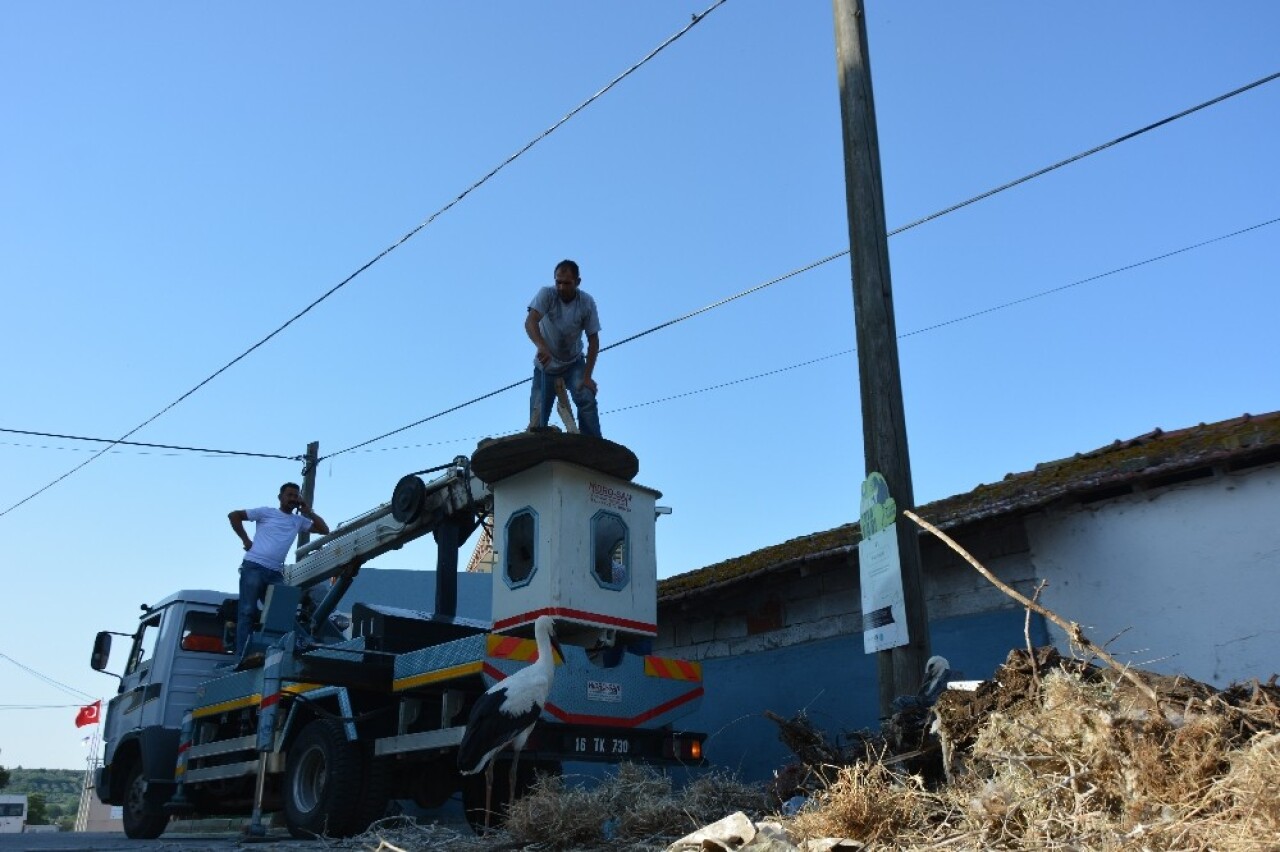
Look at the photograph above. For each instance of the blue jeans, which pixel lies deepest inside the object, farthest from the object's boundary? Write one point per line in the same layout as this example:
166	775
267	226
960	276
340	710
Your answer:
254	580
542	397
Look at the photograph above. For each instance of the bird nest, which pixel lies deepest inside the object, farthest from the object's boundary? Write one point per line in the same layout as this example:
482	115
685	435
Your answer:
1055	754
634	809
1052	754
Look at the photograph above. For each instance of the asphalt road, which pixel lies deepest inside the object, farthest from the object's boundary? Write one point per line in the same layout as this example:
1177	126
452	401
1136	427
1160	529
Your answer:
209	835
111	842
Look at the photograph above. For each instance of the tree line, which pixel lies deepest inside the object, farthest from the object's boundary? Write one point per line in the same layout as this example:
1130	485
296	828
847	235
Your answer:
53	795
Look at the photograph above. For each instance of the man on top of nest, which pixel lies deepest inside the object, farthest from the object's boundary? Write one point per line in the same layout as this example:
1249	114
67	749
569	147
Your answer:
558	317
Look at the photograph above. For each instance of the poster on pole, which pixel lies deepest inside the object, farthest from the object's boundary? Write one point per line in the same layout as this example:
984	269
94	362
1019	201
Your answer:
884	611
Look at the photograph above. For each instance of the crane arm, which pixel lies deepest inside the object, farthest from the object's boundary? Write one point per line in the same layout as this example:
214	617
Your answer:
416	508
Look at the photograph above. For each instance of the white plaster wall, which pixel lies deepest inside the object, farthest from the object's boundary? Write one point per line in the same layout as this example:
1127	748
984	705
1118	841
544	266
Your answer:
1182	580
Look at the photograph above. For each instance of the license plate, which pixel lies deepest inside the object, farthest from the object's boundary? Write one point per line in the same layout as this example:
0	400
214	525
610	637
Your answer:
603	746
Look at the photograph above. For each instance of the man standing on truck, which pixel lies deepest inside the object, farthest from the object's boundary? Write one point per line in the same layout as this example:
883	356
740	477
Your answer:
276	529
558	317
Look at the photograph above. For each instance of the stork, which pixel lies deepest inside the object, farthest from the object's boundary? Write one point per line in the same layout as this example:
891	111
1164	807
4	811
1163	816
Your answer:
507	712
937	670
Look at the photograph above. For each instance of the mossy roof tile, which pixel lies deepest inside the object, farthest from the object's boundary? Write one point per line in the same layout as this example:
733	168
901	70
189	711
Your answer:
1152	457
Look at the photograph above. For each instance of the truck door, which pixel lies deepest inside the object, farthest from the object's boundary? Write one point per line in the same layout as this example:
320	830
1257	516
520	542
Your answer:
201	648
138	690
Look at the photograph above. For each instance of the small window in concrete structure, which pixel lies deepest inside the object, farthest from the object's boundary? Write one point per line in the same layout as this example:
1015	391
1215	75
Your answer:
610	551
518	563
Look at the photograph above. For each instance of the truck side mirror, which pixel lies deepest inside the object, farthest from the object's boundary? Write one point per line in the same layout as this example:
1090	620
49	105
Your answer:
101	651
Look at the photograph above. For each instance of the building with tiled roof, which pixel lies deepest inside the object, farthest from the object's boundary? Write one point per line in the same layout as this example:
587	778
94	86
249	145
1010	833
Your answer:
1164	547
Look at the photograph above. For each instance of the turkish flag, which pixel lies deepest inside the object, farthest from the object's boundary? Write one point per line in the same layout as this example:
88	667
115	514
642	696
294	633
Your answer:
88	714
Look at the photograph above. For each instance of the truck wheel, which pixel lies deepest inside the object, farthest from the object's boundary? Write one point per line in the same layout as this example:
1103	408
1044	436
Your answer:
375	791
141	820
321	780
473	790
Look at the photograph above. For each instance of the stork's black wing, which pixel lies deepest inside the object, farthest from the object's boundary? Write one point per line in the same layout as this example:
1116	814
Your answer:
490	728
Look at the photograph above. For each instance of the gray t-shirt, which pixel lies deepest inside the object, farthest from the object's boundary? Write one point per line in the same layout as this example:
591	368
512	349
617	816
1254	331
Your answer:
562	326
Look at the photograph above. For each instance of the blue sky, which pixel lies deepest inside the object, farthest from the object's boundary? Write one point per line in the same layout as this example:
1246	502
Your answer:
181	179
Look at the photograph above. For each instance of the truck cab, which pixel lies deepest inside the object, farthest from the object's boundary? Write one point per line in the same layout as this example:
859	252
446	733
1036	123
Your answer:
180	642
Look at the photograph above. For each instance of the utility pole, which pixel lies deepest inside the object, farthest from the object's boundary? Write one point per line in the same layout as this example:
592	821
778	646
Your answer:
309	463
884	427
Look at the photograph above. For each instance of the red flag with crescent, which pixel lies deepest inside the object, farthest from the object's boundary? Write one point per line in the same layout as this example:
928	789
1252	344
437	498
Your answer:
88	714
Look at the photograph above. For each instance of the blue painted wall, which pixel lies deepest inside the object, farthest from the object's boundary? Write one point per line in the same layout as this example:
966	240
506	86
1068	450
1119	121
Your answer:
834	682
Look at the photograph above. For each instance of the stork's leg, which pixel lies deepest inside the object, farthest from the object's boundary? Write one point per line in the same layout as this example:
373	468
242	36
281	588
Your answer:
488	793
511	792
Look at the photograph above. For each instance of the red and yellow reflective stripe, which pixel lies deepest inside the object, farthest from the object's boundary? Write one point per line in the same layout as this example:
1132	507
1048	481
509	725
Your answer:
511	647
671	668
514	648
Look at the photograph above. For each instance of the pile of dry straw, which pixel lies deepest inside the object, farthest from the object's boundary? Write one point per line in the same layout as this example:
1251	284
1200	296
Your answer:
1052	755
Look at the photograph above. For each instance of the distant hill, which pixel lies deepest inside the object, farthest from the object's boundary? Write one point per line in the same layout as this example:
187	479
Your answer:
60	788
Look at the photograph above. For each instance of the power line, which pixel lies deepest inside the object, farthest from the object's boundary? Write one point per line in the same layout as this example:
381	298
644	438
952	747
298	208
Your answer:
79	449
733	382
67	689
815	264
435	416
827	357
152	446
730	383
1100	275
1069	160
697	19
974	315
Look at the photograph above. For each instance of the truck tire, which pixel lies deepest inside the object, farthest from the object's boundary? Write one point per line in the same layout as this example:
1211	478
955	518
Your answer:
141	820
321	781
375	791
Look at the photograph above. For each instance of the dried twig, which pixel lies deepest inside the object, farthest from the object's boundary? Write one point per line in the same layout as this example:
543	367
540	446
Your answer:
1073	631
1026	632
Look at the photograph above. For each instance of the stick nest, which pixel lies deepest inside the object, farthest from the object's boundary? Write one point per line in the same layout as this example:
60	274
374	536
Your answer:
1056	754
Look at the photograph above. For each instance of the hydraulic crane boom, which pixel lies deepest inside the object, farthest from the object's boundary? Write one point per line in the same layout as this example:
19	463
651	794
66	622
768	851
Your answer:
416	508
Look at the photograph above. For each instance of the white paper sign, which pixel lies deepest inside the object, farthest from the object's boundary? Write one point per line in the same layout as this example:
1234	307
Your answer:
884	612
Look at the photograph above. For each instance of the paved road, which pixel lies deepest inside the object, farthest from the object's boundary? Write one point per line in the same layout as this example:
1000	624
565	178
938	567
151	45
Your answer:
207	835
111	842
277	840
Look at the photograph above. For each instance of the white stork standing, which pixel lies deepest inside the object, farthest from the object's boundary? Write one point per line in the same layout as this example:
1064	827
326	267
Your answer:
507	712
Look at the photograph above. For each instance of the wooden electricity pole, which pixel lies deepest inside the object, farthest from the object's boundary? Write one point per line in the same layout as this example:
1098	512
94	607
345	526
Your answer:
884	428
309	483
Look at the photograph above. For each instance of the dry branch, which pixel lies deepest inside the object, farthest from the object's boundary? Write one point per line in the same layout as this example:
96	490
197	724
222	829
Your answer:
1071	628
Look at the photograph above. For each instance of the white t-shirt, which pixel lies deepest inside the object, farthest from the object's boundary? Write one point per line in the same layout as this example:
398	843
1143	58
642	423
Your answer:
562	326
274	534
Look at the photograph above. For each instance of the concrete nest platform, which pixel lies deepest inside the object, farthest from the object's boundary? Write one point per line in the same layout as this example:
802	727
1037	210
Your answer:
496	459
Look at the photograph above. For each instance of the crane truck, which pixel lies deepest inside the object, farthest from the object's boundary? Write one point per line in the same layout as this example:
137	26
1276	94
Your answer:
326	718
